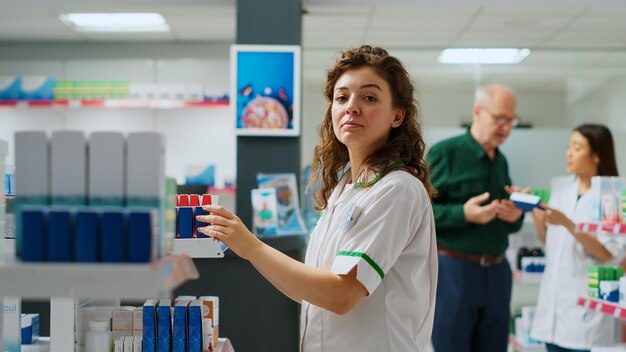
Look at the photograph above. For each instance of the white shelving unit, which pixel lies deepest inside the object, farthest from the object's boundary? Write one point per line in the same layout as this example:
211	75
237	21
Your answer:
64	283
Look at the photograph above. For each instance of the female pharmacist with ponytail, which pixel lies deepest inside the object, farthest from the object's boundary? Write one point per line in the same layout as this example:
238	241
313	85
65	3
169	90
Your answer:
559	321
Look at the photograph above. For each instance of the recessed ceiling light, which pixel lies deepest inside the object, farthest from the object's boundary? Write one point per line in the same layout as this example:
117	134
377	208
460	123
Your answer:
115	22
483	56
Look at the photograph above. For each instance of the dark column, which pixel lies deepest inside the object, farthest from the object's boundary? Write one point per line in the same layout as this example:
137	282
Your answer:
275	22
254	315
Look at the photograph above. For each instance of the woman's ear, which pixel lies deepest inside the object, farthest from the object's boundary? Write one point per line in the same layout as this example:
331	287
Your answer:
398	118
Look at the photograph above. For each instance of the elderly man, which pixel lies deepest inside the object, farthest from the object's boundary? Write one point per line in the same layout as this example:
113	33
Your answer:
473	218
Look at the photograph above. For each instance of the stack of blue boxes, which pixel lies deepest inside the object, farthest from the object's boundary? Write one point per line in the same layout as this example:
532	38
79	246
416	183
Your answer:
95	200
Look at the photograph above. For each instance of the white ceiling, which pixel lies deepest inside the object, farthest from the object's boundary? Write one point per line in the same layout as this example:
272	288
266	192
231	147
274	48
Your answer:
568	38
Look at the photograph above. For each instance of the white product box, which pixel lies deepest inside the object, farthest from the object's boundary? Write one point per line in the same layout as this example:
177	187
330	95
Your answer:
107	162
145	165
68	170
11	324
32	159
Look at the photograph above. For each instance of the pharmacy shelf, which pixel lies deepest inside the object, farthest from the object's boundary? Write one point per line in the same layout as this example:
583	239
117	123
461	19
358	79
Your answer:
117	103
611	228
43	345
527	278
199	247
604	307
98	281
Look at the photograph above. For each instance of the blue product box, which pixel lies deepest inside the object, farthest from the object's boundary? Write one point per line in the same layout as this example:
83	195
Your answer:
200	211
194	311
38	88
60	233
525	202
30	328
113	234
87	228
33	234
180	332
164	326
140	236
10	88
149	334
185	222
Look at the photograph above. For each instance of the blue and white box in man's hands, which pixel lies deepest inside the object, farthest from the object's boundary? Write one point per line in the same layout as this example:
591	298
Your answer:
524	201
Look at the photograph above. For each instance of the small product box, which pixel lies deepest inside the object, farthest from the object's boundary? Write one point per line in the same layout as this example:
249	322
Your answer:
212	311
60	235
137	342
68	162
150	326
180	329
32	164
195	326
185	222
87	232
141	235
609	290
122	322
525	202
118	344
164	326
10	87
30	329
199	224
107	162
37	88
138	322
34	236
145	168
128	343
11	325
113	236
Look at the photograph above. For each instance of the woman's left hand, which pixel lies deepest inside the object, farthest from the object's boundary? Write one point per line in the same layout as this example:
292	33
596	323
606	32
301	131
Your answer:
228	228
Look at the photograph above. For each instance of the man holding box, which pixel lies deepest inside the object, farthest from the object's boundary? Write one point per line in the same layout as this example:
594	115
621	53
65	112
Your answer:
474	217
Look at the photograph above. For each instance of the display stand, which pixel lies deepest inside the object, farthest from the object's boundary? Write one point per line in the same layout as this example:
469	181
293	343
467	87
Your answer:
200	247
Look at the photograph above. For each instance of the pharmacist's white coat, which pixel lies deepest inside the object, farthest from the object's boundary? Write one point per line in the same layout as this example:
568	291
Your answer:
390	227
558	318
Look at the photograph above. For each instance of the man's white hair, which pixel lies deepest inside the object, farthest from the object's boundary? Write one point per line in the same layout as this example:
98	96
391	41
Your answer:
483	94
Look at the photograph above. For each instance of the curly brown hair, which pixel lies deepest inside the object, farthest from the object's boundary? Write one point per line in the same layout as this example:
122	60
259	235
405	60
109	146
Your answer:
405	143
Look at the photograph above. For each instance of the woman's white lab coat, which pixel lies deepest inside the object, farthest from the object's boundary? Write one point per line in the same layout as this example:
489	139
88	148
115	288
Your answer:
558	318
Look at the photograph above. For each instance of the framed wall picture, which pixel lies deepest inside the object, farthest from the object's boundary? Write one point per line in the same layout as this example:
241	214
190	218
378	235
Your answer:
265	89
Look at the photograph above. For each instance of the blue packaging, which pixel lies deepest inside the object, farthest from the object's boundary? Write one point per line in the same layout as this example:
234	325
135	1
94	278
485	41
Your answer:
200	211
38	88
185	222
140	236
87	228
33	235
194	311
60	233
30	328
112	239
179	342
149	334
164	326
10	88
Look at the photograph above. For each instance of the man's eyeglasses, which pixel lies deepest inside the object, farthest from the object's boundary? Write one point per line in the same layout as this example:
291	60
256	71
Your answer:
503	120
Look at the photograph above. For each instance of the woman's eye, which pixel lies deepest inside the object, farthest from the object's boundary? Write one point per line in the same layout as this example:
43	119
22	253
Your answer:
370	98
340	98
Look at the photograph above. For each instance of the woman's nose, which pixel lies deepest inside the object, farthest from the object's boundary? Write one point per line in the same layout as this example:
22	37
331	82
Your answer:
352	107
